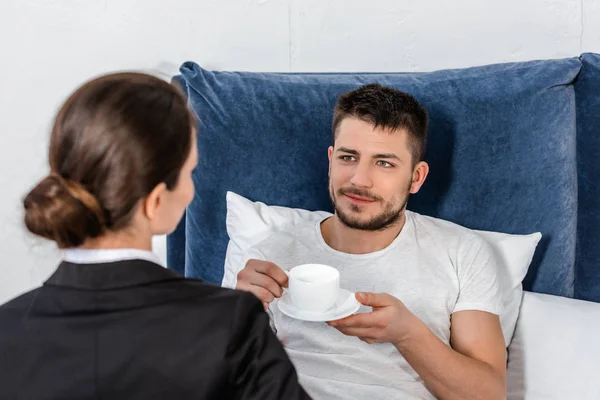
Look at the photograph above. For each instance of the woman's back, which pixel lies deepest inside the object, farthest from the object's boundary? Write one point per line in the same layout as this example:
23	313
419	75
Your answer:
133	329
111	322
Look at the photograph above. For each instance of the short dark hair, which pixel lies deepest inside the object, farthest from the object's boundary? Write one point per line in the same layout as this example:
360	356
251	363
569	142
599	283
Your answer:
388	108
113	141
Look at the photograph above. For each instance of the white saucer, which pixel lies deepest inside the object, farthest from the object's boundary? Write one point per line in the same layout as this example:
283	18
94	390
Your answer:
345	305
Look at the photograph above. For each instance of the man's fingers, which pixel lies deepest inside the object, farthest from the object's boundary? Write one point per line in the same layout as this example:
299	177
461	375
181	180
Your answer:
364	320
374	299
271	270
242	285
265	281
261	293
263	274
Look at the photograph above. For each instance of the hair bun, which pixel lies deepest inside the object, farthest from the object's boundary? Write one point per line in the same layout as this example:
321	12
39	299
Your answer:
63	211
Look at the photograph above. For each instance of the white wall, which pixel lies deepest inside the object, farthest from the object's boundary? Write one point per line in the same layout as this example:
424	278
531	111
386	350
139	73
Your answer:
48	47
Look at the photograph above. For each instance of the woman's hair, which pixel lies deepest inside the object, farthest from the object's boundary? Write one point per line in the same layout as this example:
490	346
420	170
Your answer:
113	141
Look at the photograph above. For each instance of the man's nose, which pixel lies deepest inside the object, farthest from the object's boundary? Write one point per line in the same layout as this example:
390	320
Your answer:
362	176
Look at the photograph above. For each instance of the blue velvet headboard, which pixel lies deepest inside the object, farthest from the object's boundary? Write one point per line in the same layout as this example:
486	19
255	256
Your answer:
512	148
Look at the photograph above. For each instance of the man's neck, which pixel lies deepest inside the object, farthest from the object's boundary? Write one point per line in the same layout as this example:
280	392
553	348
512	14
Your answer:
353	241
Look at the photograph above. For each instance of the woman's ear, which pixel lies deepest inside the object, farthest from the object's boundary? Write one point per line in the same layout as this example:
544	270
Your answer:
153	201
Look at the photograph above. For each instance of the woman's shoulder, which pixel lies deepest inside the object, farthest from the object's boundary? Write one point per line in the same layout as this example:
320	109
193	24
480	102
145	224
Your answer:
226	315
12	312
17	304
215	299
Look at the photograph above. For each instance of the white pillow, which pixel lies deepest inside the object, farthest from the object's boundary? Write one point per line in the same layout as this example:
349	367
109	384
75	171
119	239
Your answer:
555	352
248	223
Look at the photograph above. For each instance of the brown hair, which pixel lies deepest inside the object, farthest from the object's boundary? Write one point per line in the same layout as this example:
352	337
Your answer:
113	141
388	108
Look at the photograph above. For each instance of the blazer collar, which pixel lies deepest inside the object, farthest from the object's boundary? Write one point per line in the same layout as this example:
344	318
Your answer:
111	275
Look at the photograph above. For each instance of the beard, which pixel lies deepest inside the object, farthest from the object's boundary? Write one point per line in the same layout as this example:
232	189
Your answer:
390	214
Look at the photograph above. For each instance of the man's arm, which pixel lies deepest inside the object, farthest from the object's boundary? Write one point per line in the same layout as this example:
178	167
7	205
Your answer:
473	368
475	365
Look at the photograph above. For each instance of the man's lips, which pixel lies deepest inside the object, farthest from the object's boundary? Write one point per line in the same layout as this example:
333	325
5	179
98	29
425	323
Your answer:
358	199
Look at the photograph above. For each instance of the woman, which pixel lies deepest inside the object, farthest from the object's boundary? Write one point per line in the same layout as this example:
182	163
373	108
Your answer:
111	322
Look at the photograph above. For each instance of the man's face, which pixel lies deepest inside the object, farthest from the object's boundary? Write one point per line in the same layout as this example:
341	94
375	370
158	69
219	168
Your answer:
370	175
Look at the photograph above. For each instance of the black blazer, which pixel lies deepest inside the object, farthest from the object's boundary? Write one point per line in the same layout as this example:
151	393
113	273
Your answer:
135	330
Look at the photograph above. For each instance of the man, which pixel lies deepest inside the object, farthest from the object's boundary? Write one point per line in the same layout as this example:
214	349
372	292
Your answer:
429	324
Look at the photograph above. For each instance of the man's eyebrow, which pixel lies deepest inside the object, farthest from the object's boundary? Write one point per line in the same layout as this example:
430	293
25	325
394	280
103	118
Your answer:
347	150
387	155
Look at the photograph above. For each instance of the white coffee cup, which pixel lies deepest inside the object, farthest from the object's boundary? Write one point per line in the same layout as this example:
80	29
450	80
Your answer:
313	287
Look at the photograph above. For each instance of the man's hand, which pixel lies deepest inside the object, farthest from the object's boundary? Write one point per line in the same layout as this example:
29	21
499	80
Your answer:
389	322
473	368
263	279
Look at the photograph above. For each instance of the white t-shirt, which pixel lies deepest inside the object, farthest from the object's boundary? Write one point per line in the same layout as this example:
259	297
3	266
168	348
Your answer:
434	267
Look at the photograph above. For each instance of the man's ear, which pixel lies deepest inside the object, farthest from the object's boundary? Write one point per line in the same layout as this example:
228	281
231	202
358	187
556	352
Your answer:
329	155
419	175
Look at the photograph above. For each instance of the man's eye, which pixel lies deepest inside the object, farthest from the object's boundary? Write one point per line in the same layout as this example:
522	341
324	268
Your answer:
347	158
384	164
